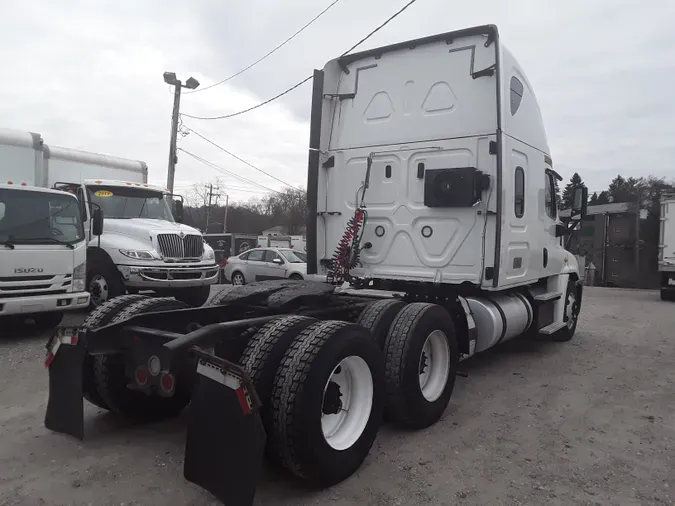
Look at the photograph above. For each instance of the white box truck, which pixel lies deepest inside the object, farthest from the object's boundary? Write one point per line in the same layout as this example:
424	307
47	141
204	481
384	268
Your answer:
42	239
667	247
143	246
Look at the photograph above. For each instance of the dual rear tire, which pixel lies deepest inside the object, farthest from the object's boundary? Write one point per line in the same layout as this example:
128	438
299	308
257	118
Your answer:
325	386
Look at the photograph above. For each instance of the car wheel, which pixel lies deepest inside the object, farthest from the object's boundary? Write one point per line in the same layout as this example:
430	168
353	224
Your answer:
238	279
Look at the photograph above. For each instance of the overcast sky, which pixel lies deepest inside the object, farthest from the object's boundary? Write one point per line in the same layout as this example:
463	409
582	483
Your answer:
88	75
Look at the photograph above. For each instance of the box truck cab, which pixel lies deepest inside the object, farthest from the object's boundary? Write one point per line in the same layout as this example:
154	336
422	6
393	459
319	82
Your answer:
42	254
667	247
143	246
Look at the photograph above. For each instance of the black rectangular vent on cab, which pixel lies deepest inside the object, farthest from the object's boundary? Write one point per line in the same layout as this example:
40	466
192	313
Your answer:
459	187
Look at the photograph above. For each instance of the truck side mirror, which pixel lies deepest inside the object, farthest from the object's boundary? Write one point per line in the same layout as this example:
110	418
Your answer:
579	202
178	211
97	222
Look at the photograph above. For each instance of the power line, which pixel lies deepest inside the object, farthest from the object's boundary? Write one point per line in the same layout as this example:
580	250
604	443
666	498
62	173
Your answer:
269	53
226	116
400	11
227	172
251	108
237	157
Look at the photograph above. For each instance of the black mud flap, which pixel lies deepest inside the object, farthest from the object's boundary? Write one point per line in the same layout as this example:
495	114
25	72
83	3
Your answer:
65	359
225	436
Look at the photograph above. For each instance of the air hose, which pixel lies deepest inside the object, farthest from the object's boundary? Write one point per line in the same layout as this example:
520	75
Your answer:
348	251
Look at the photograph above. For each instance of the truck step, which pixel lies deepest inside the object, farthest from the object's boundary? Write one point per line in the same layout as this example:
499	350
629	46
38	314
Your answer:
548	296
552	328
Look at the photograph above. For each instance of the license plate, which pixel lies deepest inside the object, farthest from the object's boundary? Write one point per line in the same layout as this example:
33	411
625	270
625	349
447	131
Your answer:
64	335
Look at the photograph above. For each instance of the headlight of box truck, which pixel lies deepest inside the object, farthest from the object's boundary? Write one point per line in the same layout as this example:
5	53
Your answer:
79	277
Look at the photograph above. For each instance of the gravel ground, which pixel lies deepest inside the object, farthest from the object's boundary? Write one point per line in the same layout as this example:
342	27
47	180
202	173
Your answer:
585	422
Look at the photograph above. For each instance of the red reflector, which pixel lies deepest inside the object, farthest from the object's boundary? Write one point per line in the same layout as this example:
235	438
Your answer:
141	375
243	401
50	359
167	382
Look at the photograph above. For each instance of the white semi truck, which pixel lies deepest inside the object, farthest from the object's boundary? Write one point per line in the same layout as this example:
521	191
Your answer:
42	239
667	247
429	176
143	246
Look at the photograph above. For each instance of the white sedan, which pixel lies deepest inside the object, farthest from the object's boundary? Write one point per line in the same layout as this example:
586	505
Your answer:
260	264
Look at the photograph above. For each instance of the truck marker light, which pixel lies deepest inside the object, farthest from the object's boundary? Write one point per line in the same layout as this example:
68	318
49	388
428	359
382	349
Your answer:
141	376
167	382
10	182
23	183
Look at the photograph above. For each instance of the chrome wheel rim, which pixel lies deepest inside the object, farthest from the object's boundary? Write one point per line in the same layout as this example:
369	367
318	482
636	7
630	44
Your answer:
98	289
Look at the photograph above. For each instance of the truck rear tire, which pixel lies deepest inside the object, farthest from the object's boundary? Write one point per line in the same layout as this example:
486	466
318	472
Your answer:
327	401
668	294
571	315
378	317
111	378
103	282
195	297
46	321
261	359
100	317
421	355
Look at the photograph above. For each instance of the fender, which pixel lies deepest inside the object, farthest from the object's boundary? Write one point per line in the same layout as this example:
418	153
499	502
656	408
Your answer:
98	255
467	333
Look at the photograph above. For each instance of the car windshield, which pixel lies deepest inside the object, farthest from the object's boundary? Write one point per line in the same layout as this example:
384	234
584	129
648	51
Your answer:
294	257
124	203
37	217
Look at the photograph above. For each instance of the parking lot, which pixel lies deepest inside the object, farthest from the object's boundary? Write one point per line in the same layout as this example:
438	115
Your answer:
585	422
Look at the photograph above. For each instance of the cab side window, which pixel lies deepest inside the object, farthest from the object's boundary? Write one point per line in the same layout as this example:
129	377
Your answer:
81	203
550	202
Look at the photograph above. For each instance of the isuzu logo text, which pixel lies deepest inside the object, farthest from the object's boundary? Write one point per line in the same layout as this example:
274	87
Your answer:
28	270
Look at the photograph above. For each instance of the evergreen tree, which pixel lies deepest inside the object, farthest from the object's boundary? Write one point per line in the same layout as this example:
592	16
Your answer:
593	200
603	198
568	192
623	190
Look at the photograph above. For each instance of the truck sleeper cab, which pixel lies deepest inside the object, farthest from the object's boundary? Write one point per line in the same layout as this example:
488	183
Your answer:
436	149
143	247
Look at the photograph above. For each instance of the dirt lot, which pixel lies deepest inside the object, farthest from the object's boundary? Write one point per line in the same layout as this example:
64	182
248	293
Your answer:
585	422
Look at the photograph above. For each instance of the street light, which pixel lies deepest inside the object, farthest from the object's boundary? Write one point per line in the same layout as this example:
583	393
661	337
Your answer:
191	84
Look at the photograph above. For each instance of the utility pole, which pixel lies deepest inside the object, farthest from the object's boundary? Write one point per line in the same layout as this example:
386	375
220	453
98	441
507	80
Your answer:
227	204
637	231
208	208
171	79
